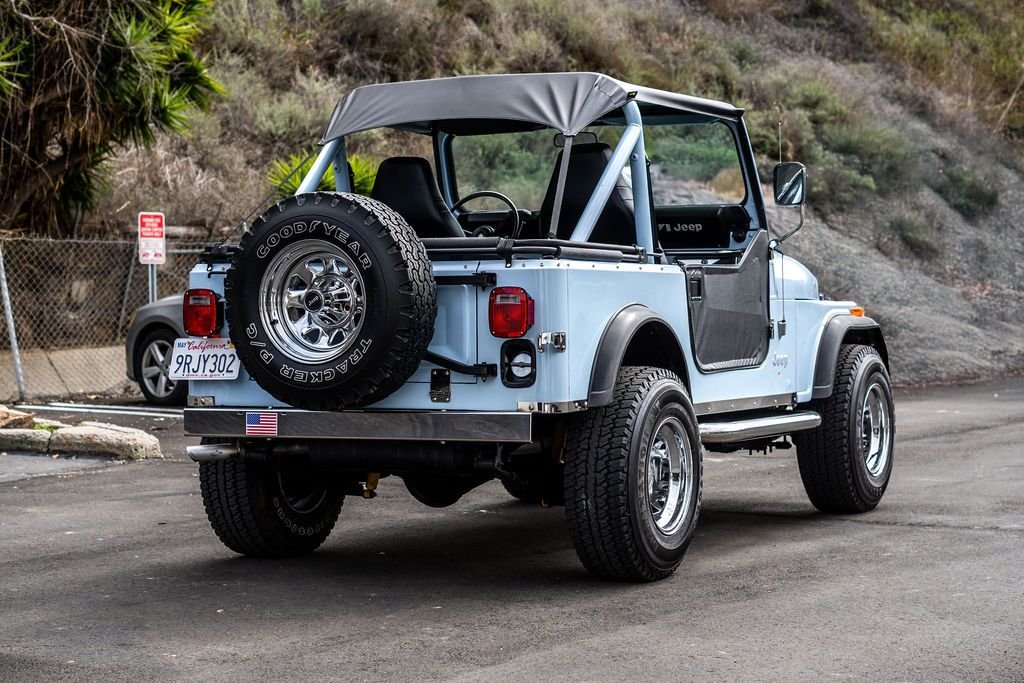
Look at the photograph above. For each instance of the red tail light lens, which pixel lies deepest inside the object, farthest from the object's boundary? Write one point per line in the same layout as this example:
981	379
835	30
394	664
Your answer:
199	312
510	312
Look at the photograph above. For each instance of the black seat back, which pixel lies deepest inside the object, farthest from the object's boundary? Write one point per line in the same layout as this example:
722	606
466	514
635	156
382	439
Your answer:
407	185
586	164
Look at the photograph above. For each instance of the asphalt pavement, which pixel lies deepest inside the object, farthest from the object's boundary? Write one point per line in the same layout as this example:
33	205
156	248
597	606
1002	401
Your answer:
113	573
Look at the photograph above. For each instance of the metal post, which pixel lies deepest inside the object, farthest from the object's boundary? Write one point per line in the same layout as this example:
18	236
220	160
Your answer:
610	176
133	257
152	282
631	149
319	167
19	376
341	179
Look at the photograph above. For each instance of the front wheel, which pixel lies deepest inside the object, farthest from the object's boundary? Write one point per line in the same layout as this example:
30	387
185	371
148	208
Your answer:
260	510
633	477
846	462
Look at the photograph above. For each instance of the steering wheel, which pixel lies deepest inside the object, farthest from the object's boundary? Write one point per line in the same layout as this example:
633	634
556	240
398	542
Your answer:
483	230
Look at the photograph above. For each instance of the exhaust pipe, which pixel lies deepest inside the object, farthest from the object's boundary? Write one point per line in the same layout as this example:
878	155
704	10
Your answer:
210	452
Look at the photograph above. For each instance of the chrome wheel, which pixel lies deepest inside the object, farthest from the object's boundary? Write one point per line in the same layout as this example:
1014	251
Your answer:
876	432
156	359
312	301
669	476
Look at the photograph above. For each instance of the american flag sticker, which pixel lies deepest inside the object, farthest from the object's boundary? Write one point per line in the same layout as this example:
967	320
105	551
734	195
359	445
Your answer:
261	424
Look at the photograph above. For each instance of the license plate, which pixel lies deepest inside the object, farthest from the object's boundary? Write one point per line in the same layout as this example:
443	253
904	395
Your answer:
198	359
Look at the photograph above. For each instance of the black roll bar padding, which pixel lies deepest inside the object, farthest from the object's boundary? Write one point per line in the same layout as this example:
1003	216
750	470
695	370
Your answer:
452	248
591	254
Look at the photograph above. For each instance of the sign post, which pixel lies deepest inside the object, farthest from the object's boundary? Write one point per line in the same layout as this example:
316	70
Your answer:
152	246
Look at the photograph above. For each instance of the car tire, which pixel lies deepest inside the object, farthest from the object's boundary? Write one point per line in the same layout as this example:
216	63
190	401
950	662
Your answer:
846	462
152	360
633	477
259	510
331	301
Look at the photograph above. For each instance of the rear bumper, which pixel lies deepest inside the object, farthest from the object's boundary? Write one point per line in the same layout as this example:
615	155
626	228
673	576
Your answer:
380	425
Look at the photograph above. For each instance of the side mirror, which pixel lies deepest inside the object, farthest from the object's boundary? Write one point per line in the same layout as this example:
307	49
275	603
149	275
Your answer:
790	179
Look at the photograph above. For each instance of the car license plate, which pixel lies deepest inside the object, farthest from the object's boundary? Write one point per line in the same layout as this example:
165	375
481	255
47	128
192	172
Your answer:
198	359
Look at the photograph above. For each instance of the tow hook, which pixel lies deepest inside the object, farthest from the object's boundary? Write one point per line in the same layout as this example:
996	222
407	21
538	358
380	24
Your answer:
370	491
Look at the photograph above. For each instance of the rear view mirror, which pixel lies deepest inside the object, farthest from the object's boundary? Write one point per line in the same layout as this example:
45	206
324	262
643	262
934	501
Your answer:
583	137
790	178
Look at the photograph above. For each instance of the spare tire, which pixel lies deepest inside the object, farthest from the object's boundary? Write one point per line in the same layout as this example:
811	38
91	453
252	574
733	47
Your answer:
330	301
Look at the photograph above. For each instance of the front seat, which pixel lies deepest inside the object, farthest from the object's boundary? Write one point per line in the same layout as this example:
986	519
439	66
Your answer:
587	162
407	185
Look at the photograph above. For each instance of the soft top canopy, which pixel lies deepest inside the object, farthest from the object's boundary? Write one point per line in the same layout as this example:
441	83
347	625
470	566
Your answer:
567	102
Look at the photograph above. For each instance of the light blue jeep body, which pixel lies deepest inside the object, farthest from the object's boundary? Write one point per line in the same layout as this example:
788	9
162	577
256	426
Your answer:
610	313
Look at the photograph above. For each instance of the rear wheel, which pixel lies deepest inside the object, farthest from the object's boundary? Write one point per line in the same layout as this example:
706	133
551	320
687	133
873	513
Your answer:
152	361
846	462
633	476
260	510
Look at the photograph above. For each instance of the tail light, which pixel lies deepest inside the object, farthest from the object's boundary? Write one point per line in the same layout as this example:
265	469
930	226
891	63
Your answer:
199	312
510	312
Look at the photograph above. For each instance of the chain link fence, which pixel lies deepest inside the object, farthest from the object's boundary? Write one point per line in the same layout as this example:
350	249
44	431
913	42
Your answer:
72	302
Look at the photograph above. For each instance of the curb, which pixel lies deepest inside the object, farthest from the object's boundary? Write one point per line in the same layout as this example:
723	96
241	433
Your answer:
87	438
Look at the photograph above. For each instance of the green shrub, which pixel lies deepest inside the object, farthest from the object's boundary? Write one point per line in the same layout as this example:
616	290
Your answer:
834	185
286	174
290	119
876	150
970	193
917	234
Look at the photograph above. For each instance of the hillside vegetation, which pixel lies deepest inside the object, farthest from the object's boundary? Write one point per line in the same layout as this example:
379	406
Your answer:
909	115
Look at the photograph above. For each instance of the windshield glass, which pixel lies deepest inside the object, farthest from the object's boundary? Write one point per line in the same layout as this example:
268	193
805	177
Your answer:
694	164
691	164
518	165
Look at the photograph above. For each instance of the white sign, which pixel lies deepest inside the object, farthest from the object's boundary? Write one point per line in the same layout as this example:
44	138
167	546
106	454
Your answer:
152	245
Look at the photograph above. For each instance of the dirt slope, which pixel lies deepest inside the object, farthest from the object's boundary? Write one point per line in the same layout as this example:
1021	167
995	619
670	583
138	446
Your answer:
916	206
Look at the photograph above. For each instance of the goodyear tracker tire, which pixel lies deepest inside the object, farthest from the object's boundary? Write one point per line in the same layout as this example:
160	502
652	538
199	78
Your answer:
261	511
330	301
633	475
846	462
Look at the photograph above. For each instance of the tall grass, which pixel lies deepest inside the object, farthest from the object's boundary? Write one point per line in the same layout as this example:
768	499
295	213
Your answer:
973	49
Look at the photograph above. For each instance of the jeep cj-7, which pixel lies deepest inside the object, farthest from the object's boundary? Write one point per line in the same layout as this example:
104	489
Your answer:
613	306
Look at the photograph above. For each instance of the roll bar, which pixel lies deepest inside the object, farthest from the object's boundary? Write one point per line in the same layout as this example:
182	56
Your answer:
630	148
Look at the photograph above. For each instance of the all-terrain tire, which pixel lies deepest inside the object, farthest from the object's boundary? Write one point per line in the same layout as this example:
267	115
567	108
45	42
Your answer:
841	470
608	471
260	511
331	301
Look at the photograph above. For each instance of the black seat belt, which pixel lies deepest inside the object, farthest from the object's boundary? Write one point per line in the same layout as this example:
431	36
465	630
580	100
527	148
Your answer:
563	171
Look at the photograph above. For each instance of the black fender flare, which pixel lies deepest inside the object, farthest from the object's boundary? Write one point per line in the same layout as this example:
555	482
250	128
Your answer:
618	334
839	330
